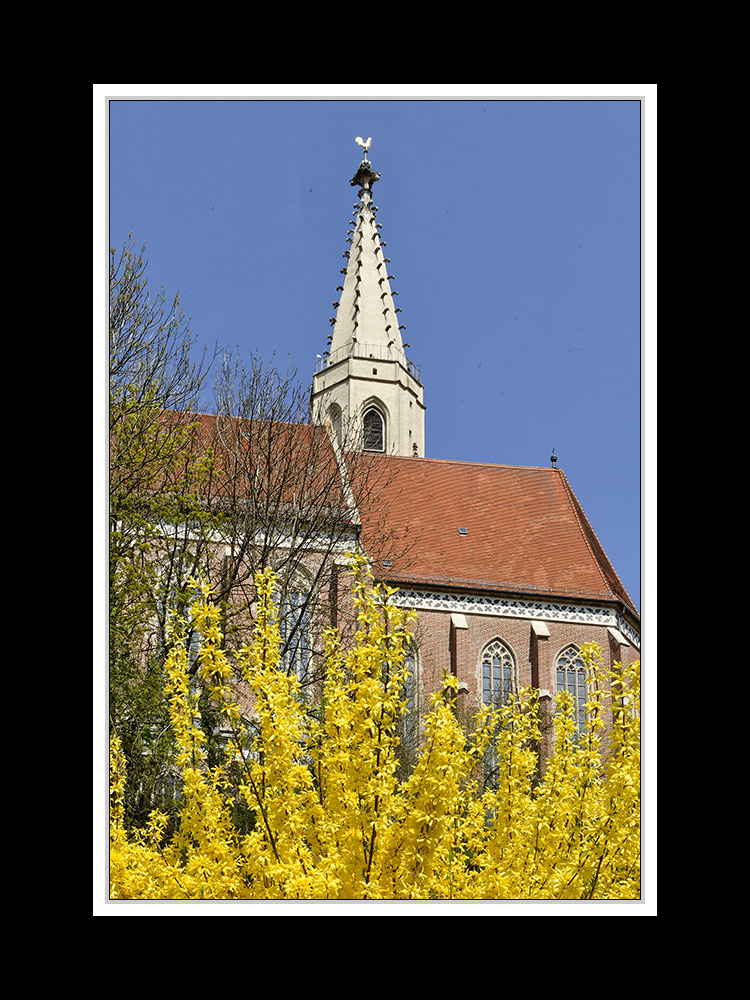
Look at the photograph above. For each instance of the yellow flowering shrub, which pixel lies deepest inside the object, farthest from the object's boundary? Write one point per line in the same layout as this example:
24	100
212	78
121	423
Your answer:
331	818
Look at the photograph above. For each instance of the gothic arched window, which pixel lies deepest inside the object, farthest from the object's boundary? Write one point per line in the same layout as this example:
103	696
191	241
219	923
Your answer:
173	599
498	684
373	430
571	677
334	414
497	673
296	639
408	725
411	693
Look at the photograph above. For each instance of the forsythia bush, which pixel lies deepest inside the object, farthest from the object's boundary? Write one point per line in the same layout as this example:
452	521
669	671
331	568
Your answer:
332	821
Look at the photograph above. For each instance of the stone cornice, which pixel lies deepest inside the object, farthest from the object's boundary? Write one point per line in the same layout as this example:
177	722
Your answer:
514	607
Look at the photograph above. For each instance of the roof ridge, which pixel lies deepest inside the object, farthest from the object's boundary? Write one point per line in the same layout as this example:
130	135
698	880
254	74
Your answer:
316	428
460	461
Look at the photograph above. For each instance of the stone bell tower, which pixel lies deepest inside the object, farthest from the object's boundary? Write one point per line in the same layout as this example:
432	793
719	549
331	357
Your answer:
364	387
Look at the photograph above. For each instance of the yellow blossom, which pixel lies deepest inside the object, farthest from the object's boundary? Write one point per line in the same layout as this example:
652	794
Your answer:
331	819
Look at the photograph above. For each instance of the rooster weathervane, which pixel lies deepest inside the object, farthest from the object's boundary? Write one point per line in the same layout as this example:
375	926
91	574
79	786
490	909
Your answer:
364	143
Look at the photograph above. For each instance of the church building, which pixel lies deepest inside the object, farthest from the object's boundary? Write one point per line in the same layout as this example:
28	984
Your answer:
500	563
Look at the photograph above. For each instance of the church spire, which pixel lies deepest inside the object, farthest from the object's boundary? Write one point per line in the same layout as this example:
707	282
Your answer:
365	377
366	313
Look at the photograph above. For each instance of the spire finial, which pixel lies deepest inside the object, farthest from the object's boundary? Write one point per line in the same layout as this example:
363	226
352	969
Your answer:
553	458
365	177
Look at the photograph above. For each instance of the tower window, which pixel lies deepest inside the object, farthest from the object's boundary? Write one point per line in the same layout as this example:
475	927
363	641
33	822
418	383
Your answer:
373	436
334	414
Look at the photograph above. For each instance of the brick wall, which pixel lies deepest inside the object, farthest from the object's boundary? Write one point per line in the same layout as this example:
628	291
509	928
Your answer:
449	642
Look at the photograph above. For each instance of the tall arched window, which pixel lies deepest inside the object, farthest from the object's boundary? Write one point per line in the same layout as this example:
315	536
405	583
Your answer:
408	727
173	599
334	415
411	719
498	684
571	677
373	430
497	673
296	638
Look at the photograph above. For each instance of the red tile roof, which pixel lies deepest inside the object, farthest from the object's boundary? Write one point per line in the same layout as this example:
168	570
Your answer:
525	531
278	463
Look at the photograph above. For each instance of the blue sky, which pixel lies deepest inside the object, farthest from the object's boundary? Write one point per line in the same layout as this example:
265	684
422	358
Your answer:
515	235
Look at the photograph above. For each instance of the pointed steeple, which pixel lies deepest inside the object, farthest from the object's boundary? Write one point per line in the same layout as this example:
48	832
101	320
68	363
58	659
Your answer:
365	365
366	312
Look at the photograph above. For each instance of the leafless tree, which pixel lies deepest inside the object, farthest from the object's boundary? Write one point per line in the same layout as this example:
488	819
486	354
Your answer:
284	495
217	491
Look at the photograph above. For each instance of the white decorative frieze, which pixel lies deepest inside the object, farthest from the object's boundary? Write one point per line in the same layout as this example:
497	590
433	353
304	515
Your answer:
476	604
629	632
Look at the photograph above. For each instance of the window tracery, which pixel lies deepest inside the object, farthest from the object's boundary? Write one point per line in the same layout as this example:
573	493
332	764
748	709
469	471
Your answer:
411	694
571	677
498	673
373	430
498	685
296	633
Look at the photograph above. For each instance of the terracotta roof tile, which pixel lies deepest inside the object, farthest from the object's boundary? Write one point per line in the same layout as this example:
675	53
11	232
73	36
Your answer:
277	462
524	530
